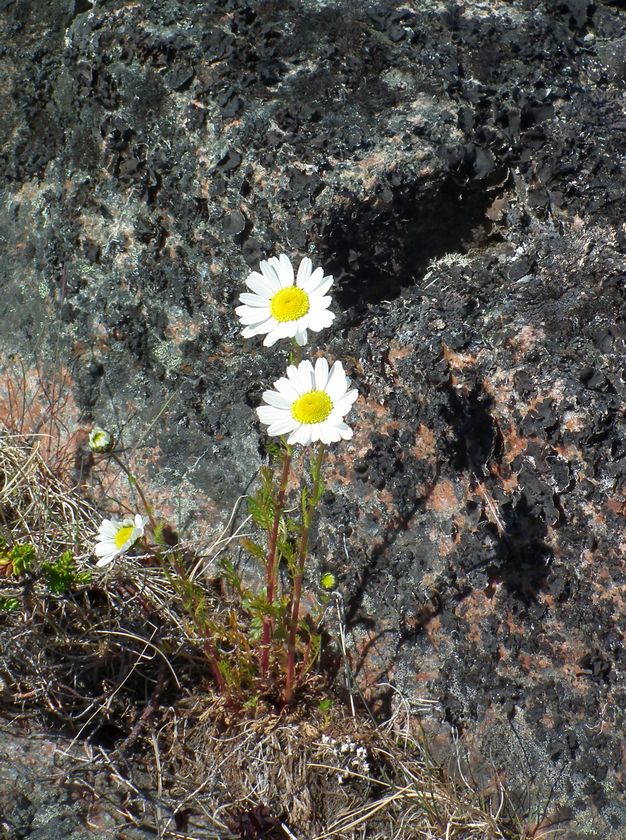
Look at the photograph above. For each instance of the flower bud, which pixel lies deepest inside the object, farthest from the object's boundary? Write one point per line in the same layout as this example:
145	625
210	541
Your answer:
100	440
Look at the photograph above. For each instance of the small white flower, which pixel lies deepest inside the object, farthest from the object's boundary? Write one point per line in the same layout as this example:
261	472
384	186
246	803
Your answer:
309	404
282	306
116	536
100	440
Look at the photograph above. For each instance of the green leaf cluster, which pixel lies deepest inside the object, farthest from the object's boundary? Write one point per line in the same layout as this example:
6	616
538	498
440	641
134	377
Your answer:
8	604
61	575
262	505
231	575
17	560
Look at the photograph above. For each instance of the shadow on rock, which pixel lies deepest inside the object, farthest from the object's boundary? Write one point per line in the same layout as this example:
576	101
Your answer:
378	248
524	558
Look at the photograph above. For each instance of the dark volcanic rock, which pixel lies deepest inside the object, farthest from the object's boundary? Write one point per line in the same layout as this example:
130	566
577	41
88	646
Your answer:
457	167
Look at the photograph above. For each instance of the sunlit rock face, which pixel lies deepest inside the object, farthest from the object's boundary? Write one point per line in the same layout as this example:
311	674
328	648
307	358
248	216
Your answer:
456	168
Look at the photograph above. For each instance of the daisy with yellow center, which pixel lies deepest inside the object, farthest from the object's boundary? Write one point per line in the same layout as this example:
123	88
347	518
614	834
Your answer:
309	404
116	536
280	305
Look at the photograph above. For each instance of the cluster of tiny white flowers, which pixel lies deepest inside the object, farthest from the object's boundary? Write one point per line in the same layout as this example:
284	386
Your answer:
351	757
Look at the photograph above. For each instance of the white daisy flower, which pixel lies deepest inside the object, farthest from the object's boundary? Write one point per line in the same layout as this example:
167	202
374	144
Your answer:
116	536
282	306
309	404
100	440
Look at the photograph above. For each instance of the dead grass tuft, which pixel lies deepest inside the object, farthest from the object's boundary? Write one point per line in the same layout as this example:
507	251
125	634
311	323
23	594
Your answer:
36	505
326	775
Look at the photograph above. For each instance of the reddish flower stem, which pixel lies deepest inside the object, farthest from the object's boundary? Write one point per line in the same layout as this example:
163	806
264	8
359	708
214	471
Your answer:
271	567
296	594
211	655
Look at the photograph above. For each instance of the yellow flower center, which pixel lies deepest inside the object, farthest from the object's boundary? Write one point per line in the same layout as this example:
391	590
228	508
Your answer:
289	304
313	407
123	535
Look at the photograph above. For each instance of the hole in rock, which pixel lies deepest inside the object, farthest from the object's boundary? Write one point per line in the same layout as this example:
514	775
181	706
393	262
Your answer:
476	436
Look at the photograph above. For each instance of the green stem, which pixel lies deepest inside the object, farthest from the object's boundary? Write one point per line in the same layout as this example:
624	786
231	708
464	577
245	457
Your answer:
209	648
135	484
296	595
271	566
295	356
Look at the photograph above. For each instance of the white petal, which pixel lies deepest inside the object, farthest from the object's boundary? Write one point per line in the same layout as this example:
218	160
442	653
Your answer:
258	329
285	270
282	427
285	387
337	382
328	433
323	286
295	377
277	400
261	285
292	377
305	377
300	336
252	315
107	530
282	329
321	373
320	320
321	303
302	435
304	270
106	560
254	300
344	430
103	548
315	431
270	273
268	414
342	407
307	284
274	415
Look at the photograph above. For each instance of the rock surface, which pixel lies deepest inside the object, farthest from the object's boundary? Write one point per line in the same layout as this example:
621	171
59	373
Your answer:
456	166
